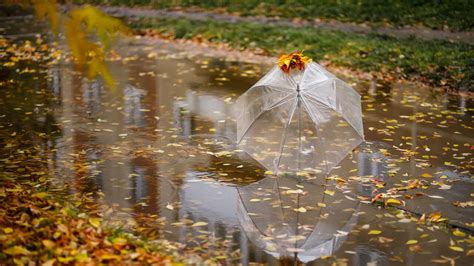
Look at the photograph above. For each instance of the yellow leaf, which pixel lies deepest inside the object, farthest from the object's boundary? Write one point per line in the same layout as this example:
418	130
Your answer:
65	259
295	60
456	248
300	209
435	217
426	175
95	222
374	232
329	192
79	25
321	204
48	243
392	202
199	224
49	262
411	242
16	250
459	233
41	195
8	230
119	242
47	8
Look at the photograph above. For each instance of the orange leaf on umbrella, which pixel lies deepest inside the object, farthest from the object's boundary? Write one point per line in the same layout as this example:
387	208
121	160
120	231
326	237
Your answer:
295	60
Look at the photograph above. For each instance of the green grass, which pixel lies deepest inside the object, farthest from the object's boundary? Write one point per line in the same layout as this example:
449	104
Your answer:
436	14
438	62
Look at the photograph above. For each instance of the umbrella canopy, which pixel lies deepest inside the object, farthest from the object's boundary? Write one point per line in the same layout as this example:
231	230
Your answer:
300	120
288	218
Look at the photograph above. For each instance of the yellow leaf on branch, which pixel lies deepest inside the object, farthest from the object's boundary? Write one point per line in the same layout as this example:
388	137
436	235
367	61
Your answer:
80	24
47	8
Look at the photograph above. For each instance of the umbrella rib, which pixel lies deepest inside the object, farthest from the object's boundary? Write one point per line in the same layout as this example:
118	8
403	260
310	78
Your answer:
283	137
280	102
319	133
320	211
245	207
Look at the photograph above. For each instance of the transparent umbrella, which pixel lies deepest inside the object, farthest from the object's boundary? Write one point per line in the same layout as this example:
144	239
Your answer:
299	120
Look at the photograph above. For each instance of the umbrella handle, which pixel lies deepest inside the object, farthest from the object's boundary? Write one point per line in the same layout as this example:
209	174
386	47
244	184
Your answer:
299	100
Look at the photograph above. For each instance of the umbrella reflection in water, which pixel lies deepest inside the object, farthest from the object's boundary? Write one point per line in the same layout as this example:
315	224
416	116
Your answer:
290	218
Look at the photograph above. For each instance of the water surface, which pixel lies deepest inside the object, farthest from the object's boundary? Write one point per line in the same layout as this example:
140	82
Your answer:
157	152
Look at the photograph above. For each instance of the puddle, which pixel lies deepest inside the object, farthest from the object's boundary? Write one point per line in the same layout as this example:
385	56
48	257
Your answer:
158	152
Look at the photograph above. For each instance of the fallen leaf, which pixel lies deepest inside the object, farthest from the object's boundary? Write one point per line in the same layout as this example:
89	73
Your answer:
16	250
456	248
374	232
329	192
48	243
300	209
199	224
411	242
95	222
459	233
389	202
41	195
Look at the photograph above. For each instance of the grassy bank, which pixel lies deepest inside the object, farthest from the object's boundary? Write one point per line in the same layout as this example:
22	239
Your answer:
453	15
437	62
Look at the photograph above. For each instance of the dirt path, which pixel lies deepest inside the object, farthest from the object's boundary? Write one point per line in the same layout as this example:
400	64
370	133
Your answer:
421	33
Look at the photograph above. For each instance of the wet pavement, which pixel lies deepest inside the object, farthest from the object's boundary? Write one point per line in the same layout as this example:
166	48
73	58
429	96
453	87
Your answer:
160	146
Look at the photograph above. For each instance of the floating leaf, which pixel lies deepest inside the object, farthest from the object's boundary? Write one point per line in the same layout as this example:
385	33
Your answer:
389	202
300	209
456	248
459	233
436	217
374	232
411	242
435	196
199	224
329	192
